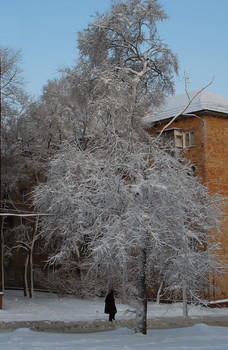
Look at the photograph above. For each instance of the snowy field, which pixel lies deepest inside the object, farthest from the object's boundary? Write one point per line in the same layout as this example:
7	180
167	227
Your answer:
47	307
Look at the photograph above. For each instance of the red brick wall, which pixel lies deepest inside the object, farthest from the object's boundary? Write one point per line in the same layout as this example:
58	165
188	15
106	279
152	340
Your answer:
216	178
210	156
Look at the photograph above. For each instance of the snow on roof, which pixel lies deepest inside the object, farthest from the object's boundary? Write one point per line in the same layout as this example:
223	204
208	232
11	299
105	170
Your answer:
203	100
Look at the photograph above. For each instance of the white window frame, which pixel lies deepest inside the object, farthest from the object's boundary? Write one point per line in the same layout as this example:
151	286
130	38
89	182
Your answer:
178	138
188	138
181	138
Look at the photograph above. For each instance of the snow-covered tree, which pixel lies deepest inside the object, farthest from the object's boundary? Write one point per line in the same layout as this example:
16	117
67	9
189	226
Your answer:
123	45
123	205
13	98
129	66
123	216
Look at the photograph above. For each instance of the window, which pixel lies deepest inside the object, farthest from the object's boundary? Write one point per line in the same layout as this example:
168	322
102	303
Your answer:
189	138
180	138
174	136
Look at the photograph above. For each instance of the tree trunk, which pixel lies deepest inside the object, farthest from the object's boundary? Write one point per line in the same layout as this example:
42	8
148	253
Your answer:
2	255
26	276
159	293
31	289
185	301
31	257
141	312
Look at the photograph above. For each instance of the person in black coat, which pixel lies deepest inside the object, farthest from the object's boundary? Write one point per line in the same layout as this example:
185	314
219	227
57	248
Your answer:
110	307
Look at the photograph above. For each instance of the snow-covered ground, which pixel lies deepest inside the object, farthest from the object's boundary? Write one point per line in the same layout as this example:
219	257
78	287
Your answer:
48	307
199	337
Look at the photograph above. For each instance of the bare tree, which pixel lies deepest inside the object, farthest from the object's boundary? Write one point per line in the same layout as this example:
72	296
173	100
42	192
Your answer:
12	103
26	236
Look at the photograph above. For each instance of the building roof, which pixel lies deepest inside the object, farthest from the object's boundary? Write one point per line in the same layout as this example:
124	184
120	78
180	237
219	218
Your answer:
201	100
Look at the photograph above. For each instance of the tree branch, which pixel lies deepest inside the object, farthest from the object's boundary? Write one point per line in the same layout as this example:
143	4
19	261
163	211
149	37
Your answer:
185	108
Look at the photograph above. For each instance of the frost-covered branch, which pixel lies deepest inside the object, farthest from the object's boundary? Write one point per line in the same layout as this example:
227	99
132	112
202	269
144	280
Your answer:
185	108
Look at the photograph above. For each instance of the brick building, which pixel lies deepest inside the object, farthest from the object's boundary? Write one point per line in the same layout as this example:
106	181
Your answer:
201	130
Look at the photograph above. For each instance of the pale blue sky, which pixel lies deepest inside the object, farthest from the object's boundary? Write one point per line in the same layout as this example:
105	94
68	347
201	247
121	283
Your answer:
46	32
